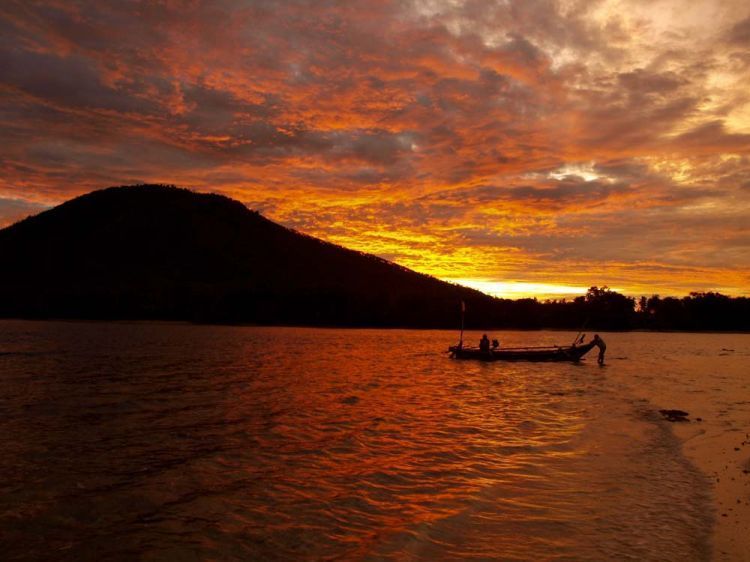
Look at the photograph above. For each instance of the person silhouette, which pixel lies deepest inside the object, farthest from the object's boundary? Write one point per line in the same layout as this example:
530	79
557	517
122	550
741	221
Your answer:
484	344
599	342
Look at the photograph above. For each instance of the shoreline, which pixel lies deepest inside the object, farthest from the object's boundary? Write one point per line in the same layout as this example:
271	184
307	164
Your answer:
723	456
714	390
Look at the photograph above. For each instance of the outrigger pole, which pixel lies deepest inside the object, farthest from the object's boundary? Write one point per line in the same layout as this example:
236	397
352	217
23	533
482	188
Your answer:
583	327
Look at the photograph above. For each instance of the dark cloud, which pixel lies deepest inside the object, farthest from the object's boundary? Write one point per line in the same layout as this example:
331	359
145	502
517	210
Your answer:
13	210
570	191
740	33
70	81
642	82
714	136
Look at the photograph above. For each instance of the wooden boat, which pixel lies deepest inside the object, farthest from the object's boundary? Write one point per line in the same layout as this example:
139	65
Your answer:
550	353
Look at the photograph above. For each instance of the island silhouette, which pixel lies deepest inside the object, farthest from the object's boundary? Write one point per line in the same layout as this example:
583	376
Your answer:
161	252
158	252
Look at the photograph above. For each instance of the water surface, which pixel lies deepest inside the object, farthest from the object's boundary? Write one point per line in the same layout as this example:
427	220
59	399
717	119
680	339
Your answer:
127	441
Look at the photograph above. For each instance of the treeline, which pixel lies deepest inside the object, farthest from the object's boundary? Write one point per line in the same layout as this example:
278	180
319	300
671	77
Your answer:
604	309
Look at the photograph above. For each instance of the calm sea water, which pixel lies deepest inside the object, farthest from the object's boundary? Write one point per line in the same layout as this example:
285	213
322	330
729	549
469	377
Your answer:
176	442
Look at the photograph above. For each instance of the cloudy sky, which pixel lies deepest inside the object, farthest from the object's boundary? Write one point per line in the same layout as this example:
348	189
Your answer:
523	147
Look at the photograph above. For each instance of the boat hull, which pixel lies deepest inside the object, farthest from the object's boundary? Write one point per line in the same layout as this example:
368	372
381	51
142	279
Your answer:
564	353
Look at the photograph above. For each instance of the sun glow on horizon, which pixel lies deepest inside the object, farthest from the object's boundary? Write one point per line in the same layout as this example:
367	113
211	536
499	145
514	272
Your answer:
520	289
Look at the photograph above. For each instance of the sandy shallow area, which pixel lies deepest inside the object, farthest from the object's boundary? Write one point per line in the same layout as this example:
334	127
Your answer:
714	389
725	456
721	449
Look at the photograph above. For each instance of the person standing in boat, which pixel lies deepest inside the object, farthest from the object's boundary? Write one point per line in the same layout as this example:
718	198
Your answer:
484	344
599	342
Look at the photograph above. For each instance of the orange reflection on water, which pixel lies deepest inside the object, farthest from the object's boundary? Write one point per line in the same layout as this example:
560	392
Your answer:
262	443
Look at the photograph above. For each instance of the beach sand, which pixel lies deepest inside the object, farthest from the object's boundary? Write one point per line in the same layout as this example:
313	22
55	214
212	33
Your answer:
715	391
721	449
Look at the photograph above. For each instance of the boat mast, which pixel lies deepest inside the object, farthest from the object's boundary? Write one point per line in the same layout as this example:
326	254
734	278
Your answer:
461	338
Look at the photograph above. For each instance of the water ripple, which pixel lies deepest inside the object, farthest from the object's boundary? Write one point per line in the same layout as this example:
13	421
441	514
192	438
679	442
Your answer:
126	441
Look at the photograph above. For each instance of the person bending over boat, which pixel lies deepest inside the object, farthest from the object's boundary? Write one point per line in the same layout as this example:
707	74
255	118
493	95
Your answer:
599	342
484	344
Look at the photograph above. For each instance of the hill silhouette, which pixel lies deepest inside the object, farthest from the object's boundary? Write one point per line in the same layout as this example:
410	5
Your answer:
160	252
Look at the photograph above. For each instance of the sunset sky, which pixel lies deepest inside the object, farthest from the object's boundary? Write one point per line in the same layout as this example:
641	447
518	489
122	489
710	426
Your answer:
525	147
